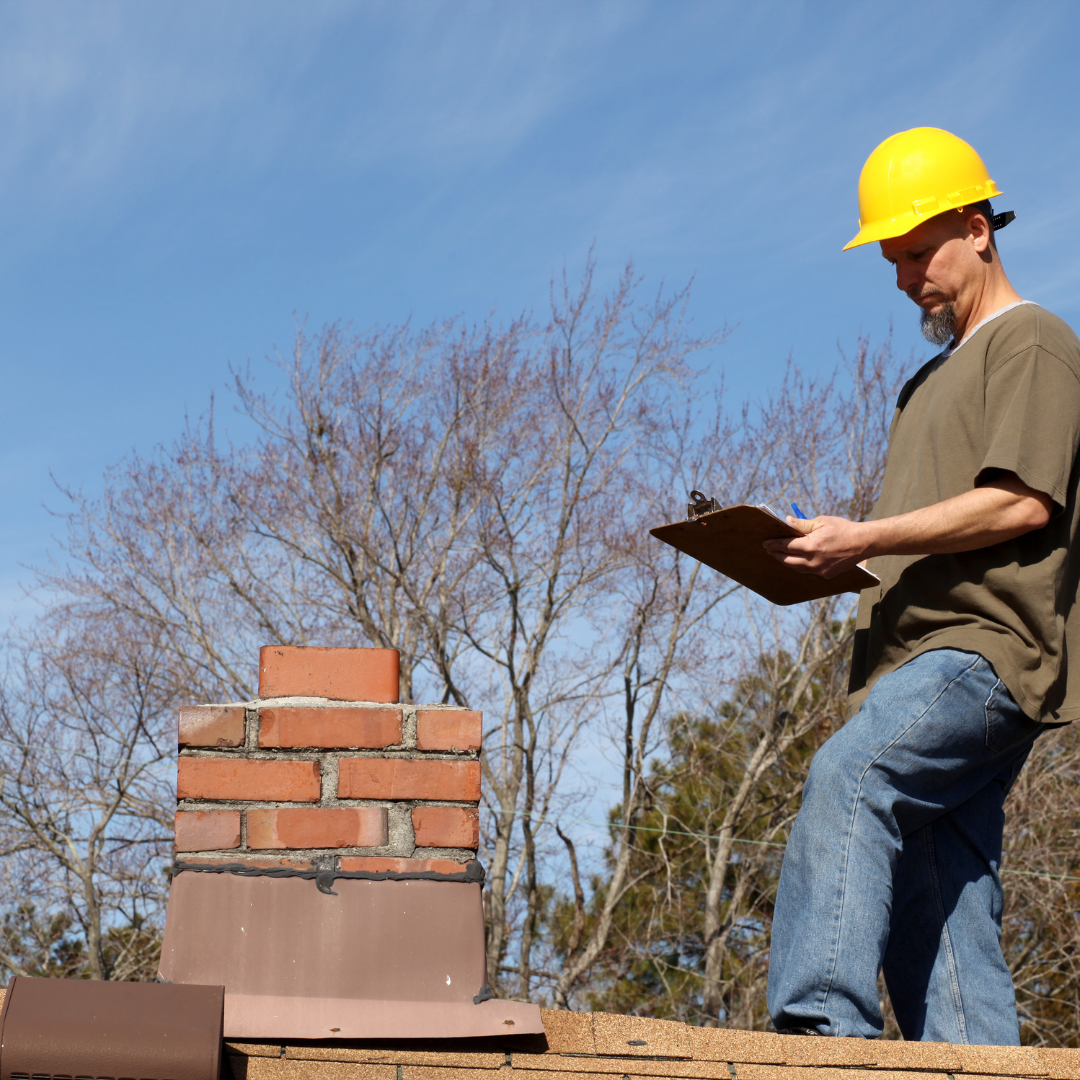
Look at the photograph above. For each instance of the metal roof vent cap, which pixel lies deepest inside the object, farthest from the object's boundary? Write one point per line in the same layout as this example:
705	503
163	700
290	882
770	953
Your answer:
85	1028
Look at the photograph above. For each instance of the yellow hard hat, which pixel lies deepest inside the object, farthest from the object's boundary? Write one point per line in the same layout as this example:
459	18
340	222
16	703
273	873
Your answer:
914	175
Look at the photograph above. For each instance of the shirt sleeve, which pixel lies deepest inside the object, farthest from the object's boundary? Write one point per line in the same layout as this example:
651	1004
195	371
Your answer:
1032	421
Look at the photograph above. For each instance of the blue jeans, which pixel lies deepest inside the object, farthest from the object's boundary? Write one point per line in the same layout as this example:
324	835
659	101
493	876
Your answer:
892	864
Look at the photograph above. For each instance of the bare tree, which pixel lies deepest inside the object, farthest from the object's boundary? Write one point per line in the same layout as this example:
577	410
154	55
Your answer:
1041	875
838	440
678	922
86	772
789	668
666	614
479	498
459	494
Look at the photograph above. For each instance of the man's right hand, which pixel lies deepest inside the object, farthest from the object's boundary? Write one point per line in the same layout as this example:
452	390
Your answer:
830	546
1000	510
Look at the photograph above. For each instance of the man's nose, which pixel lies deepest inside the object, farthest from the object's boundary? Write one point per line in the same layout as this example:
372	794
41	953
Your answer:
906	279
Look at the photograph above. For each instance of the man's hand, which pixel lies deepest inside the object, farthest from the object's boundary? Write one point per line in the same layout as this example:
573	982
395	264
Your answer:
830	545
1000	510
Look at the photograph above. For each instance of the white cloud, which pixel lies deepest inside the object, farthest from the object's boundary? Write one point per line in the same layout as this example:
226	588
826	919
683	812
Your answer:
106	93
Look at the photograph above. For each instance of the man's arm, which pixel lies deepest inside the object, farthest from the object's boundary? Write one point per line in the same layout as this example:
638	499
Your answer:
999	510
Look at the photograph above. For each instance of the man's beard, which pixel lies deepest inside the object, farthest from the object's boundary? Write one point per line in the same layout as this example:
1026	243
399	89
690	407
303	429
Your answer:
939	326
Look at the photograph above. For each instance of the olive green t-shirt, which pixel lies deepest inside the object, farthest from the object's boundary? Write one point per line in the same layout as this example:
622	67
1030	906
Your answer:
1008	398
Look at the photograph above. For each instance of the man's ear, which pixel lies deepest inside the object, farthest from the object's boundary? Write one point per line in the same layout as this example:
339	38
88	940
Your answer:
981	232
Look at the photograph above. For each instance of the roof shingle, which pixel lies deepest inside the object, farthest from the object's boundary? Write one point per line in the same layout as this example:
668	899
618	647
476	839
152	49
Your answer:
587	1046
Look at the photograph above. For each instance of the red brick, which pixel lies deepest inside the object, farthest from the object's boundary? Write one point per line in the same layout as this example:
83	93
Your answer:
365	729
404	778
240	778
354	826
211	725
340	674
448	729
376	864
446	826
207	830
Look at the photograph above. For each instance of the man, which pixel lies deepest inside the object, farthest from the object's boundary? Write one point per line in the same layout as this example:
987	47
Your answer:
960	656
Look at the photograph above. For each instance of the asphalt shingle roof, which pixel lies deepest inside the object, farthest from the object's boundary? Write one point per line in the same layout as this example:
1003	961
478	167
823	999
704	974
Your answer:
590	1046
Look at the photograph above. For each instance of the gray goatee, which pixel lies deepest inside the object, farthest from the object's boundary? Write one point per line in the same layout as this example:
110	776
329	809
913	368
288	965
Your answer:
938	327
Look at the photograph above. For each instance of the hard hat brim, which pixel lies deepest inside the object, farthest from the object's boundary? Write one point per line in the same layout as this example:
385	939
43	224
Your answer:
888	228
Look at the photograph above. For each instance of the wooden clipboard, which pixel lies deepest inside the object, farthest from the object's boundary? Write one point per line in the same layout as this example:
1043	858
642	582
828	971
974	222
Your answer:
730	540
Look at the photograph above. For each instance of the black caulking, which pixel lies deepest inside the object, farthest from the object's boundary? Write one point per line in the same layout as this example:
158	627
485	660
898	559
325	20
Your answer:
324	879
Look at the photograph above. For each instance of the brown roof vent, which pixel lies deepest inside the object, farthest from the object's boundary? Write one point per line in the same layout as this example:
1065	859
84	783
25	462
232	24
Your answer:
80	1029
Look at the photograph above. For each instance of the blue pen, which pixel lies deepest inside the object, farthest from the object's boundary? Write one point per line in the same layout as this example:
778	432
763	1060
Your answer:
798	512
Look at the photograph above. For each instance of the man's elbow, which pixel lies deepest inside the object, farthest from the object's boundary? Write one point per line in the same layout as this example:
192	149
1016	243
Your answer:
1026	508
1033	511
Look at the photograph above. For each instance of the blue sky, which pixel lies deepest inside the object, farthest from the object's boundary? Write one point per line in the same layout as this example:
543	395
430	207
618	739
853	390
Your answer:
180	180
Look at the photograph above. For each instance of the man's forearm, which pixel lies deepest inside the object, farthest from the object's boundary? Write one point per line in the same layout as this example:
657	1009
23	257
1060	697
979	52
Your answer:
987	515
995	512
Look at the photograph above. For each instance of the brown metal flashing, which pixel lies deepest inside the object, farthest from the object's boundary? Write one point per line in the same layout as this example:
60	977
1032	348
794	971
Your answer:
324	879
83	1028
379	959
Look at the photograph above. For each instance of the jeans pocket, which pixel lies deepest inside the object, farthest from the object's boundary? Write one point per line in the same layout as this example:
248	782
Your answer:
1006	725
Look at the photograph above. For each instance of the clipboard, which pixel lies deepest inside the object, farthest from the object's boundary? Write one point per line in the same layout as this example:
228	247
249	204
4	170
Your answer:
730	541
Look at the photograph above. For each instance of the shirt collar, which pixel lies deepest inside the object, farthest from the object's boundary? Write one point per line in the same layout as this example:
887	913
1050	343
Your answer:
952	346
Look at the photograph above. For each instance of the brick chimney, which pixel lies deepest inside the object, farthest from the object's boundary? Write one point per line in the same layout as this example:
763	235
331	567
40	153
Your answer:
326	871
326	771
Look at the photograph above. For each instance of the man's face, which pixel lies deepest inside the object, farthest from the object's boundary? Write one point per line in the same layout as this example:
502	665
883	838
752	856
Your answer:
939	265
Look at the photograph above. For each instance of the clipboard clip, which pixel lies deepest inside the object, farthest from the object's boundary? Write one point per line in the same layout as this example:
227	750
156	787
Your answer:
700	506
